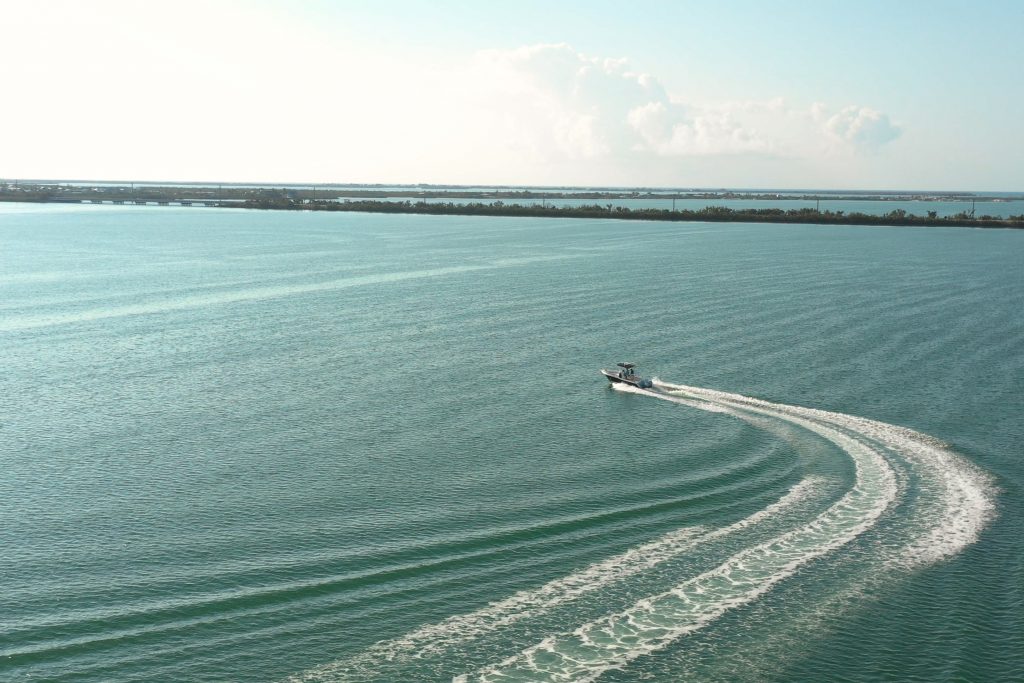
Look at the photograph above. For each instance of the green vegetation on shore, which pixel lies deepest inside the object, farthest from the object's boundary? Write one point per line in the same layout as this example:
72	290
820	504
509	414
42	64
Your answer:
719	214
310	199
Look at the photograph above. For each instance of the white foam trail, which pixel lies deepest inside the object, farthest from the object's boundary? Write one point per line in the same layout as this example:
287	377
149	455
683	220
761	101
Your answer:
434	638
656	621
962	496
957	504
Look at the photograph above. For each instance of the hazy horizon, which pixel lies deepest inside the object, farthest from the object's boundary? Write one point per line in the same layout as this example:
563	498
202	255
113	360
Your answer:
514	186
863	98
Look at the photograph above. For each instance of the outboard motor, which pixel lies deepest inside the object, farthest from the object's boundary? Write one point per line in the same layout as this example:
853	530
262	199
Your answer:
646	384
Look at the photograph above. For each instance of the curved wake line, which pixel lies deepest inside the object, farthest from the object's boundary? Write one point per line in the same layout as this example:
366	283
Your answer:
964	506
957	504
656	621
964	494
435	638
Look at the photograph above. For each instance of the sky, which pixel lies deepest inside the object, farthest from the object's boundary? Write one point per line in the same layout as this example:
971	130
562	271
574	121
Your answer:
911	95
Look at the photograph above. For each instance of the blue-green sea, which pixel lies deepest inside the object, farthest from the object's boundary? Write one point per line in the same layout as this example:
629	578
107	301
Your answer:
293	446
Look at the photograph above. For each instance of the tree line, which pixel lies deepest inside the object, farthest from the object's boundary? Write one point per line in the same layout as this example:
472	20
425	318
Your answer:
719	214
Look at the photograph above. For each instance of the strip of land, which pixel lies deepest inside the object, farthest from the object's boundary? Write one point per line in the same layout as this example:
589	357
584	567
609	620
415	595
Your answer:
489	204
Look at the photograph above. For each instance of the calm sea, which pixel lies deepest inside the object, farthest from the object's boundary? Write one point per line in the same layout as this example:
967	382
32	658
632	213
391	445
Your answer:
262	446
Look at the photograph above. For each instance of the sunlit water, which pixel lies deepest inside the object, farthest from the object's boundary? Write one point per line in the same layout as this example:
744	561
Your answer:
261	446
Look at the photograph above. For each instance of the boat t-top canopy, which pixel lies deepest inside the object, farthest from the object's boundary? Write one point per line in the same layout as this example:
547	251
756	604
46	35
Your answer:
626	365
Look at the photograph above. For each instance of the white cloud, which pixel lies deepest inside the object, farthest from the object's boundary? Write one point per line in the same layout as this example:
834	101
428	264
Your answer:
652	121
590	107
862	127
556	101
257	96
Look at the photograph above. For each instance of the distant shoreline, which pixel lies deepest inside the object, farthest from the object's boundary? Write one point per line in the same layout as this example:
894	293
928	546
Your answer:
368	201
713	214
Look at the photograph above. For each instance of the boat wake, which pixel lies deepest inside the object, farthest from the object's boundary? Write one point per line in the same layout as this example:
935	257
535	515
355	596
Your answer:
952	503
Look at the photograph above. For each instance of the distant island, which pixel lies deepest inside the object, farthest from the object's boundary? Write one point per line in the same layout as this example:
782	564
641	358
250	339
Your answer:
506	202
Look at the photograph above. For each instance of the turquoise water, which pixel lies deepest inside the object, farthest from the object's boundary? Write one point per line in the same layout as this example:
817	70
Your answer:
261	446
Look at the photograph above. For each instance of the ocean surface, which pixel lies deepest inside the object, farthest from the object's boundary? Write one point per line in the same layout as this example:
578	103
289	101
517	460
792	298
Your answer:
263	446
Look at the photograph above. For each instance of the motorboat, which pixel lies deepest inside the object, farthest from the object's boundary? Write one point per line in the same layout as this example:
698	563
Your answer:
627	375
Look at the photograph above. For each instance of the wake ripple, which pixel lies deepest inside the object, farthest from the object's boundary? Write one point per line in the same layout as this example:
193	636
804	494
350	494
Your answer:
957	503
435	638
961	496
654	622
